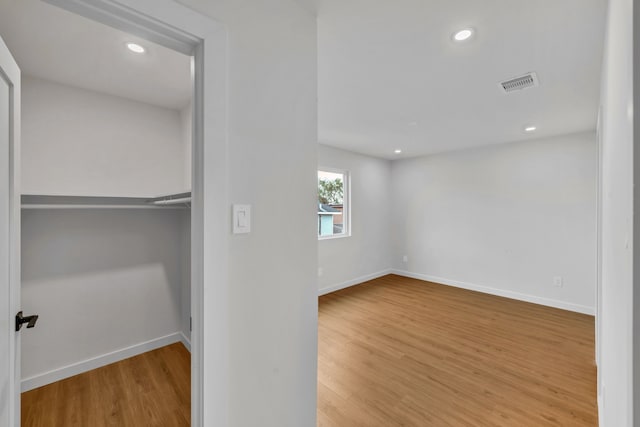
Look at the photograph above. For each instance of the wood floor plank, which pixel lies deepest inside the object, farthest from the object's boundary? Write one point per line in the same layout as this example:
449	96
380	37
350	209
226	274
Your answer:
403	352
152	389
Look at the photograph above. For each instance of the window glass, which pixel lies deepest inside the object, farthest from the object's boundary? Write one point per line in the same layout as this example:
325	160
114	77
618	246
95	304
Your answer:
332	204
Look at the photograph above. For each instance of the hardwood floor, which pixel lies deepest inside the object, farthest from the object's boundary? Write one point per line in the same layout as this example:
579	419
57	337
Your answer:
392	352
403	352
152	389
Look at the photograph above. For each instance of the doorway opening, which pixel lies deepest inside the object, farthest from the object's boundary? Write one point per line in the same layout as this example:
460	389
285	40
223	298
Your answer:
106	192
168	25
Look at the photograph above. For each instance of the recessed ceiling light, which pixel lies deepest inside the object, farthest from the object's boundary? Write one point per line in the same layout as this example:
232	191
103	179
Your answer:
398	151
135	47
530	129
463	35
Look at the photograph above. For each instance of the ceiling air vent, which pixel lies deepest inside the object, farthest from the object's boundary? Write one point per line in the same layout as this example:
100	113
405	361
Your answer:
519	83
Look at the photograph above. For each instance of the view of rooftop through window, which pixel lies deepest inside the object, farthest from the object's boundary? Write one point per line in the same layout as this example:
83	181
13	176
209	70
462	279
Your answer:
331	203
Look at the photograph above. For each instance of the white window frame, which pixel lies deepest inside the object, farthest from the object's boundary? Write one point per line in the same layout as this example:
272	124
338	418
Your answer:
346	202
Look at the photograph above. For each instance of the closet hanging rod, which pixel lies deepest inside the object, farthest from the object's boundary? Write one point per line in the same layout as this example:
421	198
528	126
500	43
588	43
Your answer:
172	201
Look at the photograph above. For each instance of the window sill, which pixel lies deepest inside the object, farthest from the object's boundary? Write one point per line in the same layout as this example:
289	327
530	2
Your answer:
334	236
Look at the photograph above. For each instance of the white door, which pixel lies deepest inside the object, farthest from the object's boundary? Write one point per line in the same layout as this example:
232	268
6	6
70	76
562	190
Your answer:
9	238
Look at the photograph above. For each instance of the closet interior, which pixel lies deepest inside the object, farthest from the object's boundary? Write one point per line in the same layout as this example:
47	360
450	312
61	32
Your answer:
105	179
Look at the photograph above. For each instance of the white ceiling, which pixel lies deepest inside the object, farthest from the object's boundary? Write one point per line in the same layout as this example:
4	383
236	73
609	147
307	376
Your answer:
53	44
391	77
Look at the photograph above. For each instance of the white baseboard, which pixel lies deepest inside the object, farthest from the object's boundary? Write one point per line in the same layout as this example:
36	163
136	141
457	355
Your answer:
600	402
185	341
499	292
352	282
97	362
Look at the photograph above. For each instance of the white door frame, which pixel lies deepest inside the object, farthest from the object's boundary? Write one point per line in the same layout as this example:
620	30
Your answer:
12	75
175	26
599	199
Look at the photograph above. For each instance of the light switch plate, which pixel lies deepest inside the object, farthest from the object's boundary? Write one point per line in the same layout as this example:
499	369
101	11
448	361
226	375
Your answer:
241	219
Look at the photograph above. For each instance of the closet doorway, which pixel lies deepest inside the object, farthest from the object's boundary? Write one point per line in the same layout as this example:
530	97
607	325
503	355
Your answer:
112	228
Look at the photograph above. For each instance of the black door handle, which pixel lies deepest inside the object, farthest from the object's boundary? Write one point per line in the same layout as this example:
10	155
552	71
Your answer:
29	320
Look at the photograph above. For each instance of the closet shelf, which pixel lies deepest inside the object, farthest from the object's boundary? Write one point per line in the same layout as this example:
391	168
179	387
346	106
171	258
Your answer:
170	201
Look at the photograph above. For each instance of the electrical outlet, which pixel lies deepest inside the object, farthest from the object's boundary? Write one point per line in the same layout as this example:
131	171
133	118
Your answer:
405	258
320	271
557	281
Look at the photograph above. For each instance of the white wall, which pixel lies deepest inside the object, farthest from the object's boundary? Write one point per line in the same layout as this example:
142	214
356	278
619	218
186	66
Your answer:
366	253
503	219
79	142
101	280
272	159
186	116
617	367
185	277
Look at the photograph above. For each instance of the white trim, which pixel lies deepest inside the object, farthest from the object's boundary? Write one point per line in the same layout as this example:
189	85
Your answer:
58	374
353	282
599	203
499	292
185	341
600	403
10	72
333	236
